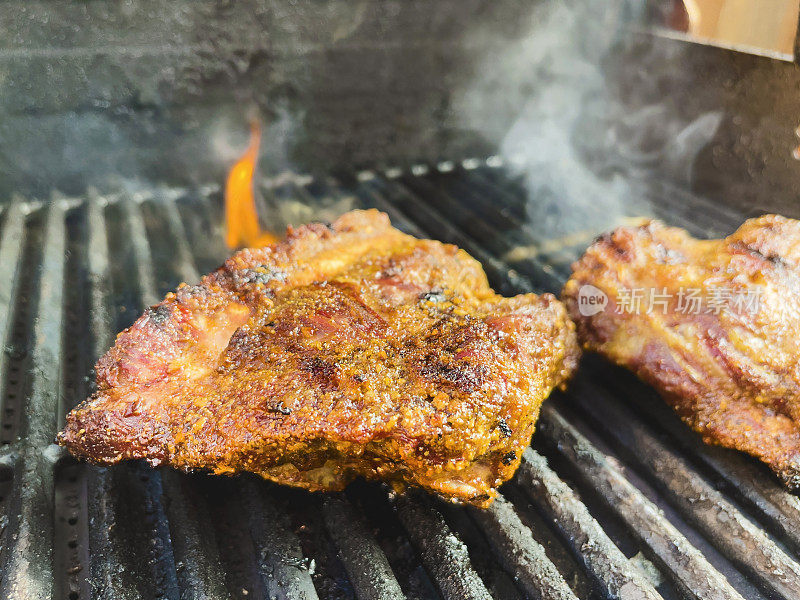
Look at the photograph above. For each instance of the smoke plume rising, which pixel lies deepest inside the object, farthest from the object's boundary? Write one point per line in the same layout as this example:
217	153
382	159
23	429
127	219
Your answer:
582	150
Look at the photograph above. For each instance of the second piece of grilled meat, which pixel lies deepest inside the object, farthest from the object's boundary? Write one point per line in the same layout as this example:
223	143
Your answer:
345	350
713	325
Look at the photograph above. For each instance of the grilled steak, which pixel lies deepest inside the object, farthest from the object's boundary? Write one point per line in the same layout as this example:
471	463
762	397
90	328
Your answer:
345	350
716	329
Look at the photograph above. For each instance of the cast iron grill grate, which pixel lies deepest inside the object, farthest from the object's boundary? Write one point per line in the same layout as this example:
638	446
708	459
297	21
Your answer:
616	500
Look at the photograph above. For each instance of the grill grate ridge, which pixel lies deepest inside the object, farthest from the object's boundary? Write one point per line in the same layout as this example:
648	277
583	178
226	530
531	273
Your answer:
366	564
512	540
444	555
28	565
11	255
690	570
69	530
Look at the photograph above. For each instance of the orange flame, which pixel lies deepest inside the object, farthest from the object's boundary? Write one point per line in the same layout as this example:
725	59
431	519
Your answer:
241	218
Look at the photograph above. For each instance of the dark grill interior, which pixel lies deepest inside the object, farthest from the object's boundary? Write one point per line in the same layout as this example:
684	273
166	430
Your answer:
618	499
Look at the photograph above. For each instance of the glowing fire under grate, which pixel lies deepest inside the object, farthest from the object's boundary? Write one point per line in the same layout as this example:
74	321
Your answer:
242	228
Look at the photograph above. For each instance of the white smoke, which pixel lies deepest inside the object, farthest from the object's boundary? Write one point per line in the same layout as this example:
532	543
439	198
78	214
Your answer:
230	135
572	140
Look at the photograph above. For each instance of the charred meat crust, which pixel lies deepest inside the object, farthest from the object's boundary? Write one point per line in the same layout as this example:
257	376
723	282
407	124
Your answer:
343	351
731	374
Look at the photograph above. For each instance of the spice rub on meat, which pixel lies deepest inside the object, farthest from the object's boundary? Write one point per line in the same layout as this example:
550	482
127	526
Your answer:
345	350
722	343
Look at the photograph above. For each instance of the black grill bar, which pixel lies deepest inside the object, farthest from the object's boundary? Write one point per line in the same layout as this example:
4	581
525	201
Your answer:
71	550
11	246
483	229
200	575
555	253
383	199
751	483
184	262
675	207
106	565
28	571
690	570
493	568
496	232
70	542
143	262
105	562
671	204
366	564
588	540
525	557
693	212
742	541
46	396
445	556
283	570
99	276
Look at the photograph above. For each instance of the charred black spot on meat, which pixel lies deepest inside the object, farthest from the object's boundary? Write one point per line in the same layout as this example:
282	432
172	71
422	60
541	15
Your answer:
621	251
504	428
775	259
453	363
159	314
280	409
433	296
509	457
